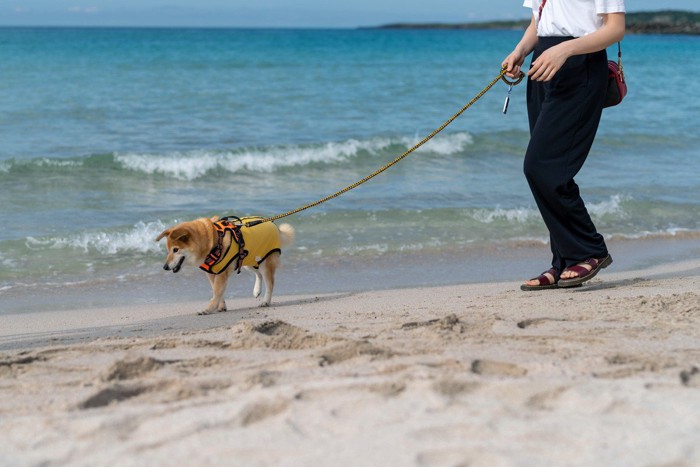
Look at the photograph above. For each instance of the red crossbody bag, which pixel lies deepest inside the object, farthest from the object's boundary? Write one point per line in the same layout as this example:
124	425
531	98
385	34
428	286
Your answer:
617	86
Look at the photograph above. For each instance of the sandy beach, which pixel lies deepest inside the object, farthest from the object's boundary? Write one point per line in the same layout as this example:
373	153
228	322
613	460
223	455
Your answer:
475	374
398	334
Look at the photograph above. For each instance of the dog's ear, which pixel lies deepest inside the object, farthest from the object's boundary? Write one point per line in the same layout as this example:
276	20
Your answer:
164	233
215	218
181	234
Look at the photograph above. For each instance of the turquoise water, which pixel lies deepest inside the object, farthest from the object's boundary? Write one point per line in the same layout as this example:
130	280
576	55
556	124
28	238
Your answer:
110	135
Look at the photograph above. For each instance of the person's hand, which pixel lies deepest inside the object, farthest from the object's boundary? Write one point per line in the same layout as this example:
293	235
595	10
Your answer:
513	62
548	64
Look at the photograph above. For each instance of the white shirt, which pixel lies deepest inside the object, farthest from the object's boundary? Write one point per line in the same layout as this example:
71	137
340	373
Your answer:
575	18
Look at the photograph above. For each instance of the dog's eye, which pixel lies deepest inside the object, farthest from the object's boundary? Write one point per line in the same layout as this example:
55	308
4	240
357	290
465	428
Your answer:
175	250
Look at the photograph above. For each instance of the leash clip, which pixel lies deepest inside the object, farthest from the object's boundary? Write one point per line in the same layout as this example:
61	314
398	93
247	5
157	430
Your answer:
505	104
510	86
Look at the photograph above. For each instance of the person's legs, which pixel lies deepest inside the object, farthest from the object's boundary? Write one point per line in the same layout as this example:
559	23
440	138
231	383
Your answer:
564	115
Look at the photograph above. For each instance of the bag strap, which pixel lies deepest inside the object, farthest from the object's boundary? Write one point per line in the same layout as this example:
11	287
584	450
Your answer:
619	55
539	15
619	62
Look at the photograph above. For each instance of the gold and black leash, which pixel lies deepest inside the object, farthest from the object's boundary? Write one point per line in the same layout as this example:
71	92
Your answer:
501	76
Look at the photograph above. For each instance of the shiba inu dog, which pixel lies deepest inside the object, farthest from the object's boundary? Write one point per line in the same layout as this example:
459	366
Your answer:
221	246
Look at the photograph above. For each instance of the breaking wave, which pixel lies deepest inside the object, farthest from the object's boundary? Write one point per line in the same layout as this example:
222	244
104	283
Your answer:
195	164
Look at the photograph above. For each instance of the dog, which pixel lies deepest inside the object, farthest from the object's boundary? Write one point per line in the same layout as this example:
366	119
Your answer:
220	247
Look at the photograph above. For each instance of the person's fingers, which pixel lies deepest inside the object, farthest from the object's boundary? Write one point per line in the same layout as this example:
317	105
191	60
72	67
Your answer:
536	71
508	63
514	73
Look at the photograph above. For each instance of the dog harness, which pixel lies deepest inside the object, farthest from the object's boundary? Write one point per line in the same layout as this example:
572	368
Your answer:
238	243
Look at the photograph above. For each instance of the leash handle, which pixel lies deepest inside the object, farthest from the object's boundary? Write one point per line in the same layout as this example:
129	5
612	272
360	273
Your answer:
515	82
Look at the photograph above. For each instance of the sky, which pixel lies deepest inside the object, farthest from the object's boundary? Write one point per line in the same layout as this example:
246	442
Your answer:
274	13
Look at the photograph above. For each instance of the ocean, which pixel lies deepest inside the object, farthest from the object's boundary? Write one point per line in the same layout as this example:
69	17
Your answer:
108	136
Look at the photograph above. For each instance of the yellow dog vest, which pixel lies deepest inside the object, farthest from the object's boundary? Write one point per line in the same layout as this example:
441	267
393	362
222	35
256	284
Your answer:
247	246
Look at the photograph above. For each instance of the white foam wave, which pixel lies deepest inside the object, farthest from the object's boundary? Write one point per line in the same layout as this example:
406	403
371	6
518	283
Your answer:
46	162
195	164
443	145
517	215
669	233
613	205
7	262
610	206
139	239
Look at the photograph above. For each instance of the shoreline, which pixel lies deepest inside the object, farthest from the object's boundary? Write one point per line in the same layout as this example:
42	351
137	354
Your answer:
22	331
303	275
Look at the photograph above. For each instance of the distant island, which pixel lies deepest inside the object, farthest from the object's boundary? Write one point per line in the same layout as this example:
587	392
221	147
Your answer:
646	22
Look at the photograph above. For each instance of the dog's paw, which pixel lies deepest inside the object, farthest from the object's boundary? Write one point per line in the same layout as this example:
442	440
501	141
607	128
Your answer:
211	311
207	312
264	304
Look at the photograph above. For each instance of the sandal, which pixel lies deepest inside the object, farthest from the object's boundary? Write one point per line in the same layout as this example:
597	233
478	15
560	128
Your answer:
586	271
546	280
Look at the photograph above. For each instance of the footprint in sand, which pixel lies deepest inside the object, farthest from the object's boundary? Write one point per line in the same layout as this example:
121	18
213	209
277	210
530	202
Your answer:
128	369
691	378
112	395
494	368
23	360
388	389
448	323
260	411
535	322
276	335
625	365
353	349
265	379
453	388
459	457
123	370
545	400
19	364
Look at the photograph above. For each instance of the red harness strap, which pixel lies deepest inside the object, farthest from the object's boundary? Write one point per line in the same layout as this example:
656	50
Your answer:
219	252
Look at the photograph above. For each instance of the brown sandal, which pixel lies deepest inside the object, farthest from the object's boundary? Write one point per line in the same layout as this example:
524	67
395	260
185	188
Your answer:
586	271
546	280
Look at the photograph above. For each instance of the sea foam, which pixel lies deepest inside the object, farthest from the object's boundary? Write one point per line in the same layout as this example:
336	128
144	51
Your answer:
192	165
613	205
140	239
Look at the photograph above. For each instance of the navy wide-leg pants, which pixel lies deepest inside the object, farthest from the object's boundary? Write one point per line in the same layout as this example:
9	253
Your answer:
564	114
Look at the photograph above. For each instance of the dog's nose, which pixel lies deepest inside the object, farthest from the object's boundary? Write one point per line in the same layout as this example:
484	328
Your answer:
166	267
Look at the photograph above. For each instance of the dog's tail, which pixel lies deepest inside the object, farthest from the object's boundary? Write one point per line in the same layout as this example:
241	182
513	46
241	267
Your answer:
287	234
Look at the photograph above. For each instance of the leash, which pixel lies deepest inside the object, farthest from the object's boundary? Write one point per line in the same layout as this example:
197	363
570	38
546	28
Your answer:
501	76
